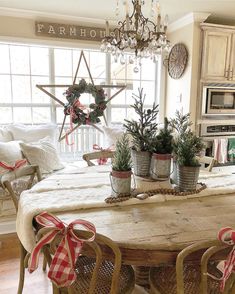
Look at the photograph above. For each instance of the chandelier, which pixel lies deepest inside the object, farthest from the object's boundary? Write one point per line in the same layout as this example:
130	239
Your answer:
137	34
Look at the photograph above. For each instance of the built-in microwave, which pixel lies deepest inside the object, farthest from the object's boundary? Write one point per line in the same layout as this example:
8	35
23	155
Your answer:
218	101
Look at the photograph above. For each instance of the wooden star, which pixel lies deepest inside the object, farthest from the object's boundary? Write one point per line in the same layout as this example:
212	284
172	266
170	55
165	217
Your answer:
44	89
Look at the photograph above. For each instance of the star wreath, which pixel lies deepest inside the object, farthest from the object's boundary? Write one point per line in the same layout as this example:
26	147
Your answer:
79	114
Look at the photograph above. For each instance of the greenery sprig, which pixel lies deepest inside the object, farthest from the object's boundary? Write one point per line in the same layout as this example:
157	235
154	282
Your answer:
144	129
163	142
187	145
122	157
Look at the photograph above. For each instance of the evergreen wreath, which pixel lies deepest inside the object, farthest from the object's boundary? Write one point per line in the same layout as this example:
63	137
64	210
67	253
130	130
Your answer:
76	110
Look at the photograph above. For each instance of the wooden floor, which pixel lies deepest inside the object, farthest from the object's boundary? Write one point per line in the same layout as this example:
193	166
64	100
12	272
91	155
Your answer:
36	282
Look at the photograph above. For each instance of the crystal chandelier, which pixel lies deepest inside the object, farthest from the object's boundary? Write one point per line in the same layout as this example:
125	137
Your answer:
137	34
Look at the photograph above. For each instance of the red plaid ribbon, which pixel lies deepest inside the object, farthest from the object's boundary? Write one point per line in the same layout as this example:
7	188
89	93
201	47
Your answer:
102	160
17	164
227	236
61	270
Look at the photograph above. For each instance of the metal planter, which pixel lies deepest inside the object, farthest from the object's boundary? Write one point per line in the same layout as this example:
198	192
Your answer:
188	177
160	166
141	162
120	182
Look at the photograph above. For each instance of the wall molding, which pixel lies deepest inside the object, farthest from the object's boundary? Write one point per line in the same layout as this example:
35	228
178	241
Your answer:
188	19
40	15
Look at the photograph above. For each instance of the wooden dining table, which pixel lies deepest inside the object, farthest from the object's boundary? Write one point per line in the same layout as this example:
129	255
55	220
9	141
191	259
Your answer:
148	234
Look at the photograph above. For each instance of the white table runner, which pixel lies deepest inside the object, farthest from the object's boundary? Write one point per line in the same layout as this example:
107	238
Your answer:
82	188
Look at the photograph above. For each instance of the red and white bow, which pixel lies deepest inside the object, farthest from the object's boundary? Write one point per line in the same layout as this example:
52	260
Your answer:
227	236
101	160
61	270
17	164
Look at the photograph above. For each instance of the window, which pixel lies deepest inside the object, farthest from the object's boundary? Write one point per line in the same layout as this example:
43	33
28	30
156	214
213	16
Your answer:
25	66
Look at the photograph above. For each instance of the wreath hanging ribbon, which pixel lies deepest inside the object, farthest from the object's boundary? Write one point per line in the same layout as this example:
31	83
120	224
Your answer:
61	270
18	164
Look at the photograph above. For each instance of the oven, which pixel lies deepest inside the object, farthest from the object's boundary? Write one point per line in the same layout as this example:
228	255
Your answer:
218	101
217	129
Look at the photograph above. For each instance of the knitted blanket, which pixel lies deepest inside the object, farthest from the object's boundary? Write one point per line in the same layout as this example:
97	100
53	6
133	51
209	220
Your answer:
83	188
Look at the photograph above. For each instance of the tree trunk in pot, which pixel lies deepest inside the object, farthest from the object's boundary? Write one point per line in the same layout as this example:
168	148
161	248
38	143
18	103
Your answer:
141	162
160	166
120	182
188	177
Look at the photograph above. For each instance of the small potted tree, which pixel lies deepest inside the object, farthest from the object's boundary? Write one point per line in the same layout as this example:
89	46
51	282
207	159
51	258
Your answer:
162	148
142	131
186	147
121	168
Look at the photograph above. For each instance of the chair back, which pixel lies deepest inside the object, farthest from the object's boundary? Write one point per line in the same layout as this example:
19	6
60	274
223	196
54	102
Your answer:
28	170
207	160
214	250
95	249
96	155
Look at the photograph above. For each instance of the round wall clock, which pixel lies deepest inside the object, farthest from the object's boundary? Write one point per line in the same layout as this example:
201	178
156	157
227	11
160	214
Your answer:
177	61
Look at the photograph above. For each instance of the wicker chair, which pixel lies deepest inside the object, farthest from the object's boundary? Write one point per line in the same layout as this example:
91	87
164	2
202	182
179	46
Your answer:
5	182
95	274
210	161
190	277
96	155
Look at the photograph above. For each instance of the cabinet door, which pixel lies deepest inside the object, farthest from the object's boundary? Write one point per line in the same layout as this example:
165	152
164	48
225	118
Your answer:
216	55
232	60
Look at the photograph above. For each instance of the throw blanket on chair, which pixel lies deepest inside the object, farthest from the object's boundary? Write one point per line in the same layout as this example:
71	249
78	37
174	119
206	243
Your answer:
231	149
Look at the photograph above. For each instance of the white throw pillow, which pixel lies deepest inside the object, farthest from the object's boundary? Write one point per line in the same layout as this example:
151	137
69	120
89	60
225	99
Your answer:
10	152
42	153
5	135
112	135
33	133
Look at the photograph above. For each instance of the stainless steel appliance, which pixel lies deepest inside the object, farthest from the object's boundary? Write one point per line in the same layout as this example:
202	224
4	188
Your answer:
221	128
218	100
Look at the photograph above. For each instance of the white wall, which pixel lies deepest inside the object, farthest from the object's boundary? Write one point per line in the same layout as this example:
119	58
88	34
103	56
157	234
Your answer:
182	93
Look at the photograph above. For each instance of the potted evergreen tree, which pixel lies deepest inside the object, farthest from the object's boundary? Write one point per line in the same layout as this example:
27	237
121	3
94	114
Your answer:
142	131
186	147
121	168
162	148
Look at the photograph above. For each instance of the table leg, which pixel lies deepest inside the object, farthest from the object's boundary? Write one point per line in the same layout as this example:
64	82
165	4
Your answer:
142	276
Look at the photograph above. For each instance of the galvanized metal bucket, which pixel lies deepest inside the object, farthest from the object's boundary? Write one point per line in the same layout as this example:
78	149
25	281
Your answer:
160	166
141	162
120	182
174	174
188	177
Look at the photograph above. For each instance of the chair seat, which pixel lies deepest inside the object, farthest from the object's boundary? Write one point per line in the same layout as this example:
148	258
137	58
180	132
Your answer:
163	279
84	270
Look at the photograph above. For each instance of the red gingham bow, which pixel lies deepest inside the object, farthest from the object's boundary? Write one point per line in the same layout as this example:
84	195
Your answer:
17	164
61	271
102	160
227	236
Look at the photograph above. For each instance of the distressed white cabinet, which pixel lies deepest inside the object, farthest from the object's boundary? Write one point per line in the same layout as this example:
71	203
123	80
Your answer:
218	53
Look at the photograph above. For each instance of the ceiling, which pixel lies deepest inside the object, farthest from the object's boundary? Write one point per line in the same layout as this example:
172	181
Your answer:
223	10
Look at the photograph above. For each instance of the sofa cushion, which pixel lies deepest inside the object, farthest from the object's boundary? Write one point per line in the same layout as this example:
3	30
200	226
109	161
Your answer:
5	135
10	152
42	153
33	133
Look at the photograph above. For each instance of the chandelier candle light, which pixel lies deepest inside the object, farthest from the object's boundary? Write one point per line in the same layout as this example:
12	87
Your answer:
137	34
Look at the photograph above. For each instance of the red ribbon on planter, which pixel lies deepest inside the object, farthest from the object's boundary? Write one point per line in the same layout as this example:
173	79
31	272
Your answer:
227	236
102	160
17	164
61	270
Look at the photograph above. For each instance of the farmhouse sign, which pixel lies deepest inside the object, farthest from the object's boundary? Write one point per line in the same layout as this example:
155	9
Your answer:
67	31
